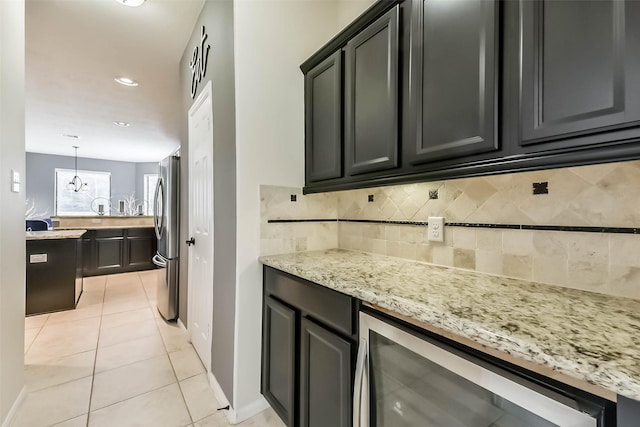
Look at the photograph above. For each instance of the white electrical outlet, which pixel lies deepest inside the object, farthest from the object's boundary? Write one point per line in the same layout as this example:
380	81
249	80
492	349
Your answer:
435	229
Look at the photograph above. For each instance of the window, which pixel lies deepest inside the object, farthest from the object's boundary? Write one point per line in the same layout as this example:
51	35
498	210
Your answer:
70	203
150	183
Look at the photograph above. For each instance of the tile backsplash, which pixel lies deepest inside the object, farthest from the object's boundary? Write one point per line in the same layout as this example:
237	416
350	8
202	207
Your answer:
605	195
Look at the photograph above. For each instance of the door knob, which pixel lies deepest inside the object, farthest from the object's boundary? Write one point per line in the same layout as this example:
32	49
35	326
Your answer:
191	241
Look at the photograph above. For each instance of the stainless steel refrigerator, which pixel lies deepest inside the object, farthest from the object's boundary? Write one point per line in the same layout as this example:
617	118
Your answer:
166	223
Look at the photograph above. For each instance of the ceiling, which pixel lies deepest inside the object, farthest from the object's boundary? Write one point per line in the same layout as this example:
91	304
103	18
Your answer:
75	49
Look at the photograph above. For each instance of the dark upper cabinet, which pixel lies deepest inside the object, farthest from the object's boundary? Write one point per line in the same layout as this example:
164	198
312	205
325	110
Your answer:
323	120
580	71
371	97
279	358
444	89
453	96
325	377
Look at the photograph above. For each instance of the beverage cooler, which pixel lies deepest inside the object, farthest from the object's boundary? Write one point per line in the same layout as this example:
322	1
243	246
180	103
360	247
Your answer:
405	378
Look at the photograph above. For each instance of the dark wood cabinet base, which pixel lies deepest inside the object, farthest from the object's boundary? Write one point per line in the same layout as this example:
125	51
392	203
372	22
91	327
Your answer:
54	279
118	250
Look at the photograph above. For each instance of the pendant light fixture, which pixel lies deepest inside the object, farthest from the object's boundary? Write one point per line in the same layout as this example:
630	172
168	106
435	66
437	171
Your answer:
76	185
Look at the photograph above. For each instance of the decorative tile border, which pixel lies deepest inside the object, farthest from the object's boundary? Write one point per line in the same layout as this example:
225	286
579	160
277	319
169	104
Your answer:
579	228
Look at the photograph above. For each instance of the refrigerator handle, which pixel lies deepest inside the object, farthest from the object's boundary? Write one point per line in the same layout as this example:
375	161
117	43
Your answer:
361	365
157	216
159	261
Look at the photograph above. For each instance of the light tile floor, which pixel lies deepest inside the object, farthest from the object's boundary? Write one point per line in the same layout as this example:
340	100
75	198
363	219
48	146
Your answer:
115	362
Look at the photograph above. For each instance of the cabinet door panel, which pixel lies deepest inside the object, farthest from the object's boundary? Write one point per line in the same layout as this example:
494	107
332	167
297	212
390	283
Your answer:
109	253
578	73
453	97
323	115
278	359
371	97
325	378
141	250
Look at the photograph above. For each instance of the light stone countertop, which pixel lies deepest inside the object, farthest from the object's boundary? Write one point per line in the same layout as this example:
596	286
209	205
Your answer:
54	234
102	227
587	336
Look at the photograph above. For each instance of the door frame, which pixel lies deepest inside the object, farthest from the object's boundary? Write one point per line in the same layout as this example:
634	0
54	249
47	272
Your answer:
202	97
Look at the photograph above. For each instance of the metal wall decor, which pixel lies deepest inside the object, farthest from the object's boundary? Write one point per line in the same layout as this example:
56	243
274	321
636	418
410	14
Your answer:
198	63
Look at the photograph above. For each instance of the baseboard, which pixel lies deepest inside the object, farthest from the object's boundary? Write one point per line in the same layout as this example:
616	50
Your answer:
248	411
179	321
14	408
217	391
235	416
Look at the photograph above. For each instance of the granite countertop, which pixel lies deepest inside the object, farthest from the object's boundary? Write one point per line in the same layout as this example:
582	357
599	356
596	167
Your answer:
54	234
587	336
102	227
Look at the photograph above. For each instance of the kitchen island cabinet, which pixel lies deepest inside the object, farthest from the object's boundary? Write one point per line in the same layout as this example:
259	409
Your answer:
118	250
54	271
308	331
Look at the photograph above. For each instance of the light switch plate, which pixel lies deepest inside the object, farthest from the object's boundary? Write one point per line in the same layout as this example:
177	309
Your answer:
15	181
435	229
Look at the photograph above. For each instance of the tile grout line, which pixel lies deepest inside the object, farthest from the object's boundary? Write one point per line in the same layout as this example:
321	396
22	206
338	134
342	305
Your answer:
184	400
95	359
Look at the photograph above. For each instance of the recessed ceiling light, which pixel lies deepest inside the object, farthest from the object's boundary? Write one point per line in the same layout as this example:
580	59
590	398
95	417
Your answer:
126	81
122	124
131	3
68	135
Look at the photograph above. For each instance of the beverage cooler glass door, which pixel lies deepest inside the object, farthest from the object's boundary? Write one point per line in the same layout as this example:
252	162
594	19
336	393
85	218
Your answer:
405	381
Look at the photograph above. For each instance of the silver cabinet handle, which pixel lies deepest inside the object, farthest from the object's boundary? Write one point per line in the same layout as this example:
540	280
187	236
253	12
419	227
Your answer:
361	365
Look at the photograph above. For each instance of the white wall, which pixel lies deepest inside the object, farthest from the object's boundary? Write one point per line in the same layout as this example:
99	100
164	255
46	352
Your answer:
12	205
272	39
348	10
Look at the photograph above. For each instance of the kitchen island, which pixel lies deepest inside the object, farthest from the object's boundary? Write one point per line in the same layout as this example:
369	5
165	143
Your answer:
113	244
54	270
587	340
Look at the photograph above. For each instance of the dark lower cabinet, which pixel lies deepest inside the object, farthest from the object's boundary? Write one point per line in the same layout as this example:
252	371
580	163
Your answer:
54	275
325	377
118	250
279	358
141	247
309	334
109	248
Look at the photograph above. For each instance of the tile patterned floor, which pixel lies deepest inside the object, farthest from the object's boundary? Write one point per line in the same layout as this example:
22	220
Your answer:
115	362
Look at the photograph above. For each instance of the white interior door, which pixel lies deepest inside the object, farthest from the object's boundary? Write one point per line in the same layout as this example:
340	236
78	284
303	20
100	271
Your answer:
200	287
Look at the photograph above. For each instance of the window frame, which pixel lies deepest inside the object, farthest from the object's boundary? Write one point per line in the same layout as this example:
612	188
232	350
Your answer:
146	191
80	173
